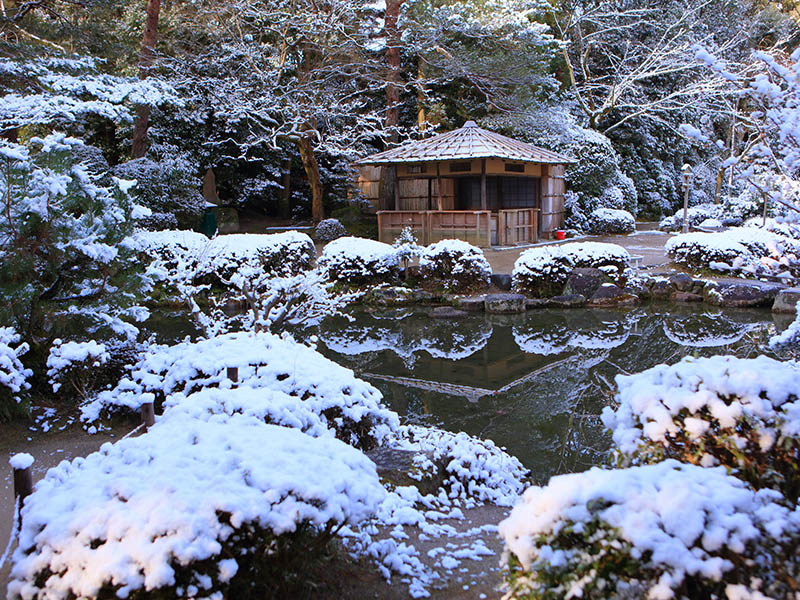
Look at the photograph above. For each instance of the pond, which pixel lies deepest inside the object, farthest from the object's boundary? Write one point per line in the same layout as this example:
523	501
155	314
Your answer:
534	383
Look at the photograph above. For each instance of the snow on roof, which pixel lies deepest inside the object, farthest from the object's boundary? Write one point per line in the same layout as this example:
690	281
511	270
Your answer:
468	142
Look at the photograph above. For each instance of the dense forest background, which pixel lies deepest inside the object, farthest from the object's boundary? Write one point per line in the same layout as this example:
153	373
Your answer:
263	104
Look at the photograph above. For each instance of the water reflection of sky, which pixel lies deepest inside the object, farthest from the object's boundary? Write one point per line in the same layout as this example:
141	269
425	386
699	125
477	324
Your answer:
536	382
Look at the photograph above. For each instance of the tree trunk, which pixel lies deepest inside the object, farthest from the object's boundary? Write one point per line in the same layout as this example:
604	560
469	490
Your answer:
284	197
146	57
306	147
392	68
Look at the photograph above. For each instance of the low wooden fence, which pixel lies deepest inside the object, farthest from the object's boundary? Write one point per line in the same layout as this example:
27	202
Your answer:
481	228
431	226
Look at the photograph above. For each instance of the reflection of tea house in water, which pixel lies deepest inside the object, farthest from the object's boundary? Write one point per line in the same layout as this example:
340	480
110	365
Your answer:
470	184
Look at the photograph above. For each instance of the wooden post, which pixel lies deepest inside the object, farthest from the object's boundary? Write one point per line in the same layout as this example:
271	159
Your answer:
483	184
396	186
233	374
439	186
430	192
148	415
23	477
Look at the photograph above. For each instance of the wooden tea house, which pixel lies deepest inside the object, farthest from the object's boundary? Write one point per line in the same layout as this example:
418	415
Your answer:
470	184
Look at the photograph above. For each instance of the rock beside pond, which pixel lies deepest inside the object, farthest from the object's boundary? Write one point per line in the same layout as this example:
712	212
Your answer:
681	282
534	303
570	301
609	294
447	312
504	303
661	289
786	301
585	282
470	303
396	296
687	297
735	294
501	281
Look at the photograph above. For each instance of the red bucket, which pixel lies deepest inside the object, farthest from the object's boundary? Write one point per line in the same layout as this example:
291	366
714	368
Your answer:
561	234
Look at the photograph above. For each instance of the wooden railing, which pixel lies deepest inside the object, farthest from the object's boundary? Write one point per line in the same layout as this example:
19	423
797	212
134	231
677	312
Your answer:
429	226
517	226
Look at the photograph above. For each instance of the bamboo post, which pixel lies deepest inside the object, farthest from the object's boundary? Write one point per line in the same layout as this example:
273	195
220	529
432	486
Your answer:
148	415
23	476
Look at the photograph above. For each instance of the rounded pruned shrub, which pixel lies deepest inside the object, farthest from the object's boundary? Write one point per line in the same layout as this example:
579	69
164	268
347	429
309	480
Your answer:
455	265
350	407
708	250
328	230
541	272
76	365
694	216
609	221
359	261
222	508
13	375
281	254
668	530
743	414
612	259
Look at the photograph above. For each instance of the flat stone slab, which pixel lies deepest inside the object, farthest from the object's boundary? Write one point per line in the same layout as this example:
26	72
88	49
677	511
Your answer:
786	301
505	303
744	294
470	303
447	312
534	303
571	301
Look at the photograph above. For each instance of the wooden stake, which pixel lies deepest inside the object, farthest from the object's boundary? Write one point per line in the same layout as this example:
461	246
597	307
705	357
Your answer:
233	374
23	484
148	415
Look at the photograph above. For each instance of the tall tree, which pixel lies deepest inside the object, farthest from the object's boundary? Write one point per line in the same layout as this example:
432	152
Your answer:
146	59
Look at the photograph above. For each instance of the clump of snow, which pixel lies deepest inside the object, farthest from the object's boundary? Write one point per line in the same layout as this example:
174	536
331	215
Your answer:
472	469
13	375
456	265
348	405
359	261
746	251
328	230
543	271
654	531
74	361
609	221
184	507
21	460
741	413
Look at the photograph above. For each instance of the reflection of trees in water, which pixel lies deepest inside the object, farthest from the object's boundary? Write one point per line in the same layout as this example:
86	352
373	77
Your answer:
560	333
407	336
706	330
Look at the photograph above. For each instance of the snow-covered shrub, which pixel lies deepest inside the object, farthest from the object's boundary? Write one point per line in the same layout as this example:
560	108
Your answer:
470	469
359	261
349	406
608	220
328	230
612	259
541	272
76	364
743	414
62	243
659	531
13	375
190	509
168	187
406	247
743	250
455	265
694	216
286	253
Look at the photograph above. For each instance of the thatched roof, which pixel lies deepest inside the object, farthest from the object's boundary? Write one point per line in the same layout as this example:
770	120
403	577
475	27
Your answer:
463	144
